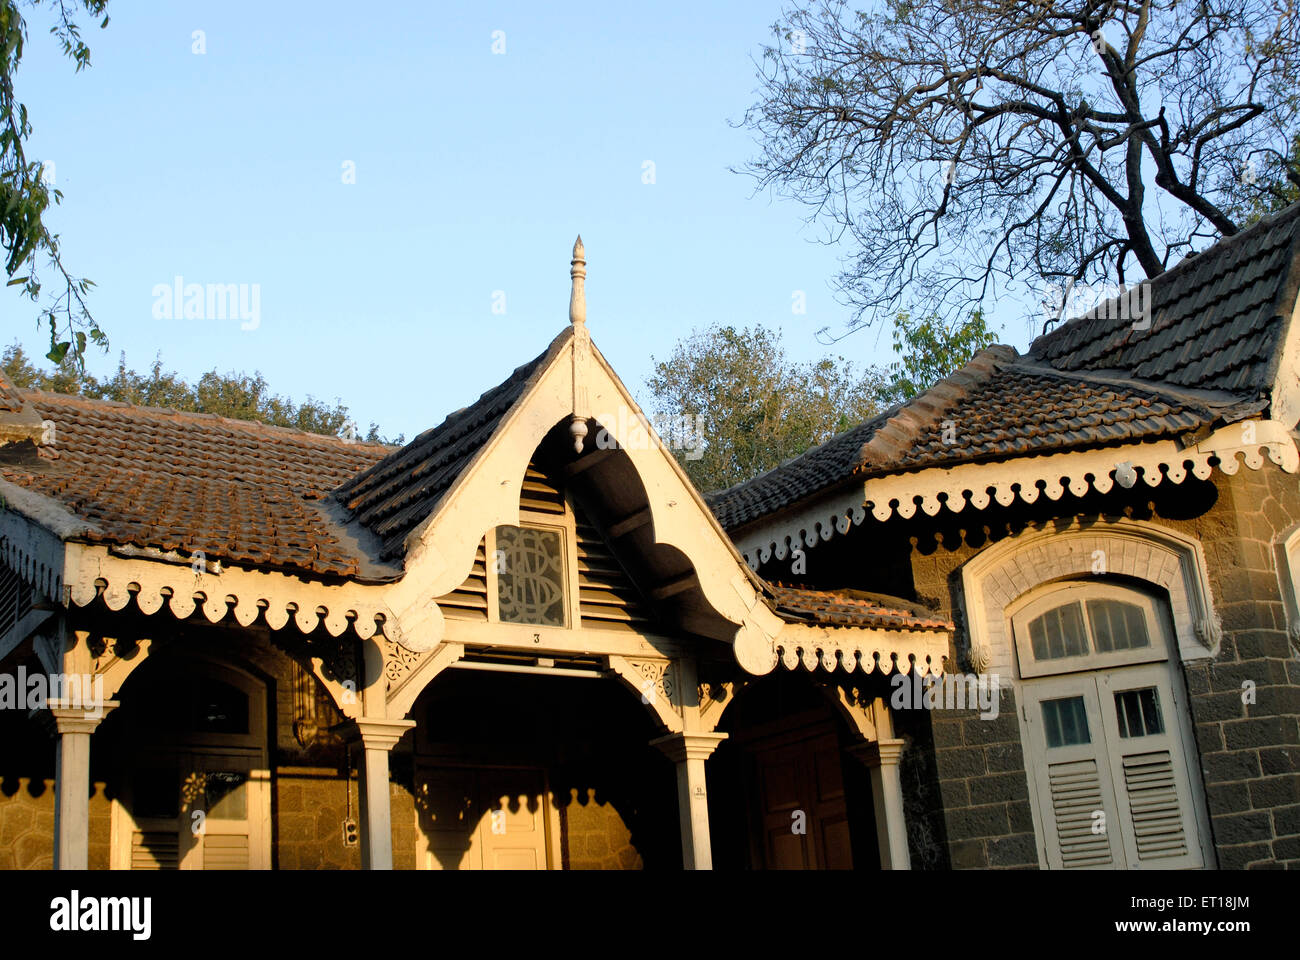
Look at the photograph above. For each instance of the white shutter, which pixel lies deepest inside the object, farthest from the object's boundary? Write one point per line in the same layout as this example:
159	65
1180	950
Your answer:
1075	793
155	850
1154	810
225	852
1156	794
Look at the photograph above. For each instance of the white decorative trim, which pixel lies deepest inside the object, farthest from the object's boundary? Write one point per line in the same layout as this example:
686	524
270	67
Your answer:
655	682
804	528
1000	574
859	648
247	594
978	484
1285	389
30	550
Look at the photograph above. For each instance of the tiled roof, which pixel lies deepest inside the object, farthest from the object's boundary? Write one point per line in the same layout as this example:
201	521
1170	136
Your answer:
11	400
852	608
1022	411
239	491
1216	318
1015	409
396	494
254	495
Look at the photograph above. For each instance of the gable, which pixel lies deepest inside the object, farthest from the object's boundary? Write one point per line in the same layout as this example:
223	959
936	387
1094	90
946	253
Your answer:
607	597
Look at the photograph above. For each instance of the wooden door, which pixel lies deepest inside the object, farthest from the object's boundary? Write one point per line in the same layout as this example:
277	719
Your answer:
801	814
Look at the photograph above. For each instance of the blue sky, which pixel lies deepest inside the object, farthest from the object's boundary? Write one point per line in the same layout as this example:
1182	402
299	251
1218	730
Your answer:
473	173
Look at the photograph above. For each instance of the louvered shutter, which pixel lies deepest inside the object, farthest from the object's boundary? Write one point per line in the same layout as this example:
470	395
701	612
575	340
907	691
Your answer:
1077	803
1150	769
155	850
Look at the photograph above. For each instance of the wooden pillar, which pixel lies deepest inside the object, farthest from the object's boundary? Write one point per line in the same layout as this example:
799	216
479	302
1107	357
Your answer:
689	751
377	738
73	727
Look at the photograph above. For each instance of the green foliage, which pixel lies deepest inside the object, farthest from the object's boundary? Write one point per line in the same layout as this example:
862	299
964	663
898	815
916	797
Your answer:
931	350
25	194
758	408
235	395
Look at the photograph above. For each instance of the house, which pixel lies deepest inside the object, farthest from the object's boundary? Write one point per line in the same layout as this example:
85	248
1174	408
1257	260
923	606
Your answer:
1038	616
1112	521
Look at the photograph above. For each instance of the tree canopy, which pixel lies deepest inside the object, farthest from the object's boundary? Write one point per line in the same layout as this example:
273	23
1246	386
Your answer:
756	407
235	395
967	148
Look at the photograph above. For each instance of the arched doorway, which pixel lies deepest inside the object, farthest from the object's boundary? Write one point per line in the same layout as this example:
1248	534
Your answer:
784	794
193	784
514	770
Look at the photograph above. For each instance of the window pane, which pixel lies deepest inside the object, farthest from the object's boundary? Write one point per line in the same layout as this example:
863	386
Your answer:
1138	713
227	795
1117	626
530	576
1059	633
1066	722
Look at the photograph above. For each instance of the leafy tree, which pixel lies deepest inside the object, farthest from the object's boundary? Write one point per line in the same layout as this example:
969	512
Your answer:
964	146
26	194
931	349
756	407
235	395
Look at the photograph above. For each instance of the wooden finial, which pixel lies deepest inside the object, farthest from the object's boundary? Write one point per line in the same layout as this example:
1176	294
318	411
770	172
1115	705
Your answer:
578	297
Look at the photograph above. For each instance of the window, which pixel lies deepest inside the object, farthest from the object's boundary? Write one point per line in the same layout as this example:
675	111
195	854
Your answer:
530	573
1138	713
1065	722
1108	739
1082	626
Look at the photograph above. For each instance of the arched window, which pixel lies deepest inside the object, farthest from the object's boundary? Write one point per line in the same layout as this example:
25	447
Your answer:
1111	751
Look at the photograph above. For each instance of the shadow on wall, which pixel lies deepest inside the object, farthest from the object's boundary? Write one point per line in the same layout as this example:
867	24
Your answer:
491	748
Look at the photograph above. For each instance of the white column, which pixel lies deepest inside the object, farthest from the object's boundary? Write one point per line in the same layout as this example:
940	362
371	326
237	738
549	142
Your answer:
73	727
378	737
689	751
881	758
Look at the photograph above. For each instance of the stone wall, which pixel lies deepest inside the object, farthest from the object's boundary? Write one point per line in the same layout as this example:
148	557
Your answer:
595	836
310	806
27	825
1249	739
981	770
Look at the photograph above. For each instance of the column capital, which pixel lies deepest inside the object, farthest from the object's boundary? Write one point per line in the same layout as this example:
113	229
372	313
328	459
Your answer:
877	753
375	732
688	746
59	717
